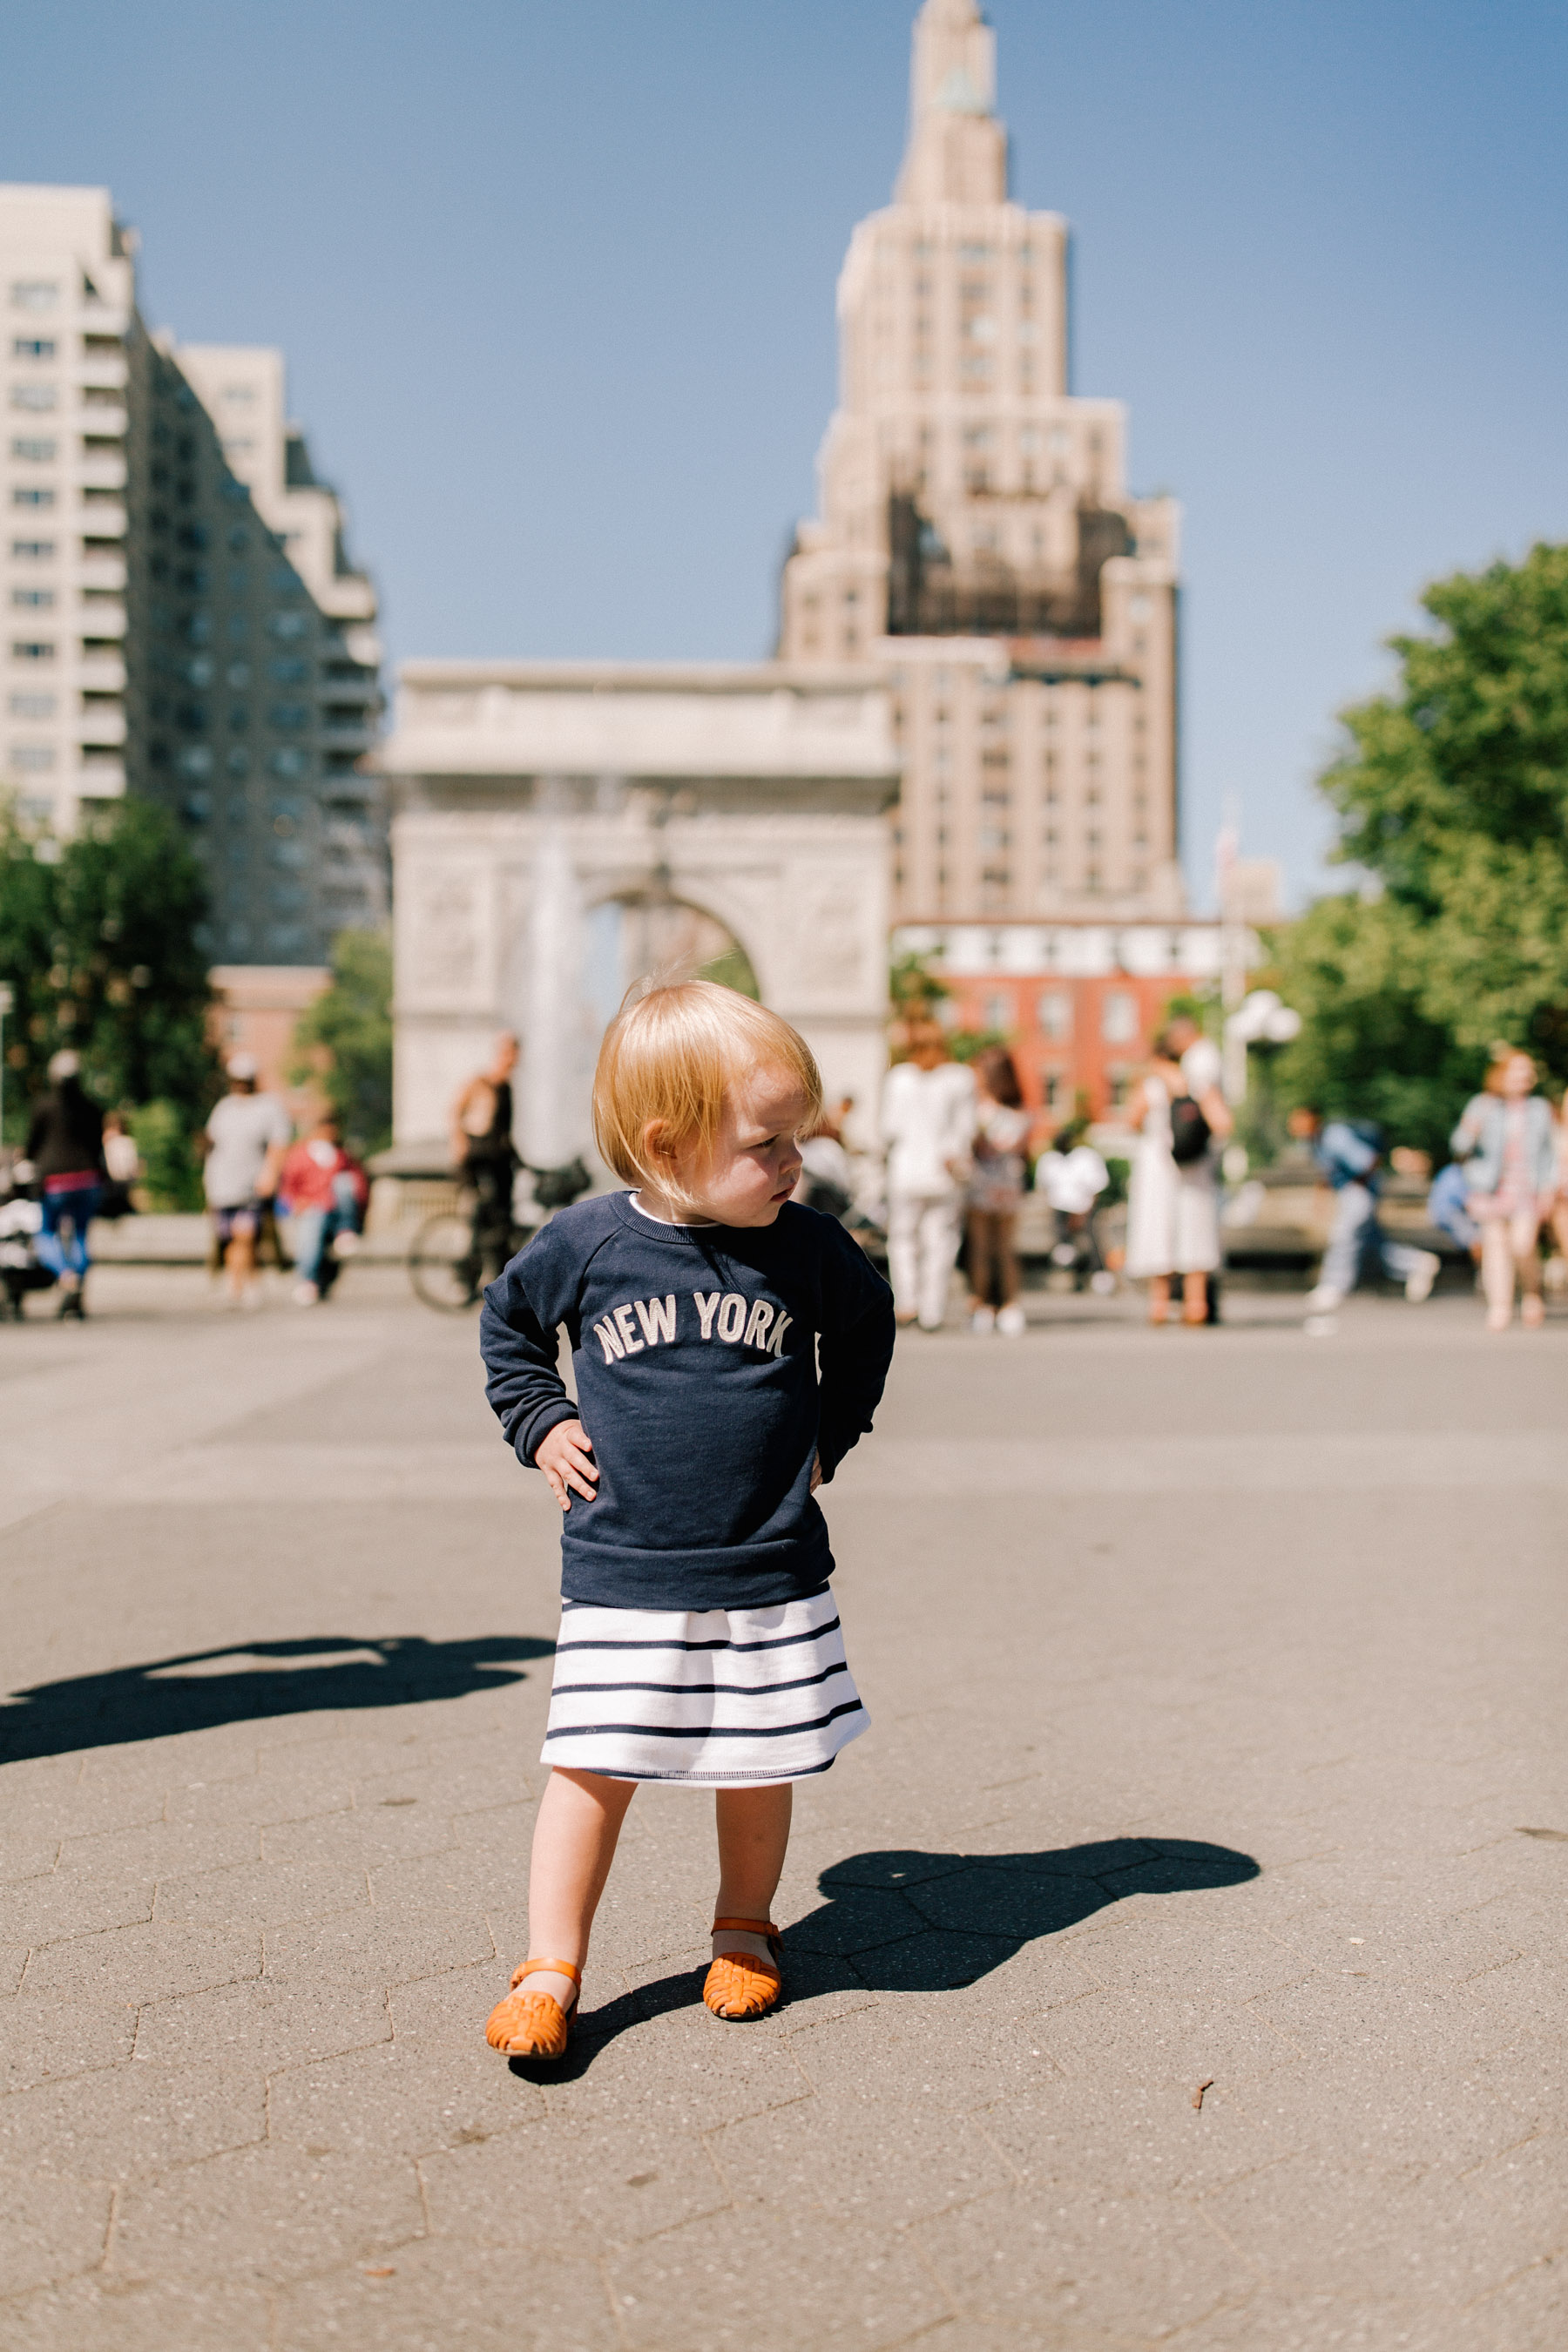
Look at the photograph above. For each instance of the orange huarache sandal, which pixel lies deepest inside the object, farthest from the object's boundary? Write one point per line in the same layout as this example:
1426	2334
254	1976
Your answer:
534	2024
739	1984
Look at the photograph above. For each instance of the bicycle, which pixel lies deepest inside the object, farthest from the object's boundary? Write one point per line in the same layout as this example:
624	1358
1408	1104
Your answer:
455	1251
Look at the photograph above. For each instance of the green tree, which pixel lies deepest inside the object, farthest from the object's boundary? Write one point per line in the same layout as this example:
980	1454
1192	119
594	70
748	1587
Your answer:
345	1039
99	942
1452	792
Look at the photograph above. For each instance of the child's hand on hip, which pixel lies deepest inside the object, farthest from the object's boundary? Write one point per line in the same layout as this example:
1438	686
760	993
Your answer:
564	1455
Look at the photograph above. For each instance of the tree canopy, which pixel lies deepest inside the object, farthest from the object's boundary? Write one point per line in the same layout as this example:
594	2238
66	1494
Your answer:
98	943
1452	793
345	1039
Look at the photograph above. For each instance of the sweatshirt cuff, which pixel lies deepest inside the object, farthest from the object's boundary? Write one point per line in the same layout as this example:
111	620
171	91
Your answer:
528	1441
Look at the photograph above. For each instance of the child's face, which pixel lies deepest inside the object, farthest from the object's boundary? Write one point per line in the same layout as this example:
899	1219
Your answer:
755	1162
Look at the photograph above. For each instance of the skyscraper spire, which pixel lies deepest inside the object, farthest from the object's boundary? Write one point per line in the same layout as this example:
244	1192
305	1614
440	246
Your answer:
957	151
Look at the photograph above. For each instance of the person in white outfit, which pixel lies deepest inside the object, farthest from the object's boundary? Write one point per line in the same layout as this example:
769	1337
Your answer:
928	1127
1173	1209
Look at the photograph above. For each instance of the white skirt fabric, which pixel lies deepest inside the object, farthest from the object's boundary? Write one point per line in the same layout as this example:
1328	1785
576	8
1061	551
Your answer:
710	1696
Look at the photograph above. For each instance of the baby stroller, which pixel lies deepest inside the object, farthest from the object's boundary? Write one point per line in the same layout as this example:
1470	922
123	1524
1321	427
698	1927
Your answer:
21	1222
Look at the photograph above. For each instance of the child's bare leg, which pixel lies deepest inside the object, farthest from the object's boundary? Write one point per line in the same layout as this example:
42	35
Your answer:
574	1837
753	1836
1159	1298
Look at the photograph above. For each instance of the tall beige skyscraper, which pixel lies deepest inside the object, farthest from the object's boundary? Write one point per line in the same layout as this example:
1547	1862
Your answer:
977	536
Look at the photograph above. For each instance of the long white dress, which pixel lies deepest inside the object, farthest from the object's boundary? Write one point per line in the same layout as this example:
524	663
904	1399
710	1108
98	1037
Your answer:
1172	1214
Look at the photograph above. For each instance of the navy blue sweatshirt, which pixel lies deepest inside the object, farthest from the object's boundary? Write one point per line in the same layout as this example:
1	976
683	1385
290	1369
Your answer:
696	1352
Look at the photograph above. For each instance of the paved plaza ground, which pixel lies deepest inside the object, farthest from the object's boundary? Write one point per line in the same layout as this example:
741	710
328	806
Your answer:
1218	1747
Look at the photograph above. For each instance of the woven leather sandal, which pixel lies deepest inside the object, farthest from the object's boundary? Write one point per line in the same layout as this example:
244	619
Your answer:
534	2024
739	1984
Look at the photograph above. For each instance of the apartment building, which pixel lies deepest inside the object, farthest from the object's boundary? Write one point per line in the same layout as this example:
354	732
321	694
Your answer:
977	538
68	288
181	618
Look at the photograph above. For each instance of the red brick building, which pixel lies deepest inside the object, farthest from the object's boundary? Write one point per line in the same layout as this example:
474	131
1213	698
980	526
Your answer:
1079	1001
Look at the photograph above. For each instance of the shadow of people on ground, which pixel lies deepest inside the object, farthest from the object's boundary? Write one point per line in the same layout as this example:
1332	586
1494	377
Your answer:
910	1922
251	1680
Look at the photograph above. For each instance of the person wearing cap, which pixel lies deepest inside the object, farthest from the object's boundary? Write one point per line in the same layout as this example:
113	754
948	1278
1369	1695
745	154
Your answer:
245	1139
65	1148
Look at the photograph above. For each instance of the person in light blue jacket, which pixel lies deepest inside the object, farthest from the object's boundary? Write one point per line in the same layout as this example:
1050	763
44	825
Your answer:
1507	1144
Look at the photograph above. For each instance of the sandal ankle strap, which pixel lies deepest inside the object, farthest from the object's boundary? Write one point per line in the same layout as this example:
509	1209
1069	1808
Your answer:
551	1968
747	1927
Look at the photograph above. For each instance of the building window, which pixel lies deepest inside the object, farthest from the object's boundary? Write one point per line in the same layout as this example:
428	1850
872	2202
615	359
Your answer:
23	650
288	625
35	598
32	497
195	760
1119	1017
34	294
1054	1014
33	453
287	762
1120	1083
33	757
32	396
289	716
33	706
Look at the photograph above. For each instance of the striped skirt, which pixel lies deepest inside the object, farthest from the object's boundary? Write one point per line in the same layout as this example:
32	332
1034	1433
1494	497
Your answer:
710	1696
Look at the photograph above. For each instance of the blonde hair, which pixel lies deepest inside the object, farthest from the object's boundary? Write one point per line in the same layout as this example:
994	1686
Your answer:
671	1054
1497	1070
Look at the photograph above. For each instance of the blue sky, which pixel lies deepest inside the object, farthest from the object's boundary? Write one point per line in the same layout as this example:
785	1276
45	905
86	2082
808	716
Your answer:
555	280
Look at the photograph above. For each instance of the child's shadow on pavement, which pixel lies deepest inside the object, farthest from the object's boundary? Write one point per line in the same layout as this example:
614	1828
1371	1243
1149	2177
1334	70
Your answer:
910	1922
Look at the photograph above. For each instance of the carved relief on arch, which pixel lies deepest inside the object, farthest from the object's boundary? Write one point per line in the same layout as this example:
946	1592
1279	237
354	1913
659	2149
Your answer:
448	926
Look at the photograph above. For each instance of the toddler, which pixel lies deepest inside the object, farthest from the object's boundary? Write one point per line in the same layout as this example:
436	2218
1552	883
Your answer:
700	1641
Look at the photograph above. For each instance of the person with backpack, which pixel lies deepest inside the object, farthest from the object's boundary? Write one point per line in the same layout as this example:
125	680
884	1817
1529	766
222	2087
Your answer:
1349	1153
1173	1205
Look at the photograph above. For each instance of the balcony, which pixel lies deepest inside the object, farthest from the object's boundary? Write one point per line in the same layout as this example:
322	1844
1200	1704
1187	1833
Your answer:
100	729
100	674
104	411
338	734
103	373
349	599
104	572
103	473
105	516
101	774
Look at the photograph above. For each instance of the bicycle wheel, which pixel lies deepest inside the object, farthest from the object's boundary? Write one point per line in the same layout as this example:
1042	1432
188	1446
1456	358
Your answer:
444	1264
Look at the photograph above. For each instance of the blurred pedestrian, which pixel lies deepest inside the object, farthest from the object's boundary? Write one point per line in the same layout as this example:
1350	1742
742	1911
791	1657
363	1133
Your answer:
325	1191
1349	1153
1072	1176
484	1154
1448	1208
1173	1209
1507	1144
996	1194
928	1127
242	1147
122	1166
65	1151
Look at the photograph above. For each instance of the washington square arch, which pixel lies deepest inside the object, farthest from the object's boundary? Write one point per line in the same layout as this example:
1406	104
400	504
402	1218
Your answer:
561	829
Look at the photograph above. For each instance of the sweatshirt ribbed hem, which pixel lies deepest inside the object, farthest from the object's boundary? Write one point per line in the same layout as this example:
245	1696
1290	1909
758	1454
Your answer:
741	1576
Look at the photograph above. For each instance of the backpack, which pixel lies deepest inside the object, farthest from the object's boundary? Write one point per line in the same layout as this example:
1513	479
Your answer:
1190	1131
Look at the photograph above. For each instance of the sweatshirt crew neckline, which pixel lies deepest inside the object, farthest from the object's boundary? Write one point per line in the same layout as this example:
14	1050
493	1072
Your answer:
684	1236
